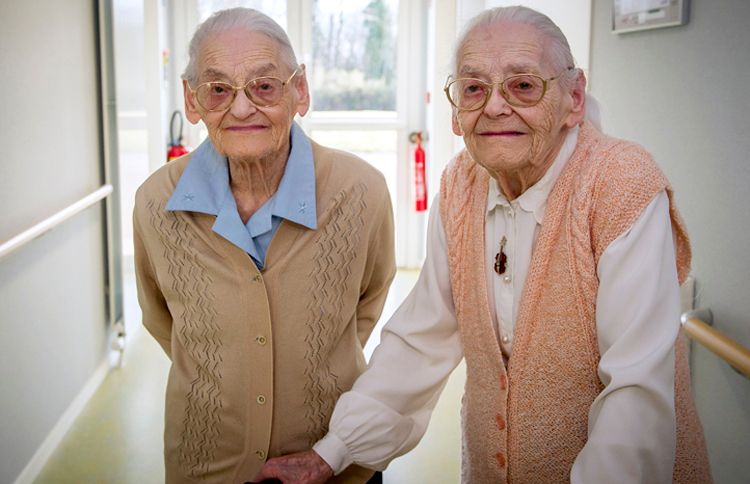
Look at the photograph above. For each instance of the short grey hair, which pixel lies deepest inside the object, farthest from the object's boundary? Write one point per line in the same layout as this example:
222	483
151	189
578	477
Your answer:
559	50
240	17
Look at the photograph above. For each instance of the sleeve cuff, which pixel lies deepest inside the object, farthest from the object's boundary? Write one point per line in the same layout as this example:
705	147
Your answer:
334	452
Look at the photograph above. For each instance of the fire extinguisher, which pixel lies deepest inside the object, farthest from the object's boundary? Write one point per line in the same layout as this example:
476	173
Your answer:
420	179
175	149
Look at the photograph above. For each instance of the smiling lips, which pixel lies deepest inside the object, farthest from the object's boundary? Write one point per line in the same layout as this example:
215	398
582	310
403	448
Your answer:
251	128
501	133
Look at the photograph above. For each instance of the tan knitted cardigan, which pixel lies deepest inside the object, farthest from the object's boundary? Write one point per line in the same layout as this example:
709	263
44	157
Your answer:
528	423
259	358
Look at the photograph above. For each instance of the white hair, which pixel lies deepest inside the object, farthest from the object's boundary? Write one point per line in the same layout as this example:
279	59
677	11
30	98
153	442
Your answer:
558	49
240	17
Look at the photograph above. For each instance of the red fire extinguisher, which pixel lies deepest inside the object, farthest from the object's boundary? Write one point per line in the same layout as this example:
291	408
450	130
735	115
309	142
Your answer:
420	180
175	149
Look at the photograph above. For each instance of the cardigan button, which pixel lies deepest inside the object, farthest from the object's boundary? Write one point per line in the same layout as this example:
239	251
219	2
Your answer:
500	459
260	454
261	399
256	278
500	422
261	340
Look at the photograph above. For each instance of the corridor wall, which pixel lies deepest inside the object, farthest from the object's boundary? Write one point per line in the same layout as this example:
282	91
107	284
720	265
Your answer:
53	309
682	93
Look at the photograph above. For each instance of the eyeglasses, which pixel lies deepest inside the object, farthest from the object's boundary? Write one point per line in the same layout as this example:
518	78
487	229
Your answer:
522	90
262	91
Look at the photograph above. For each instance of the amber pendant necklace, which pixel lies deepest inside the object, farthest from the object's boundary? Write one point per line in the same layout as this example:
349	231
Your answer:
501	259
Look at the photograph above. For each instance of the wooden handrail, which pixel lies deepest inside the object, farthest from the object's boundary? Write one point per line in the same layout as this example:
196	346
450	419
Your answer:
51	222
697	325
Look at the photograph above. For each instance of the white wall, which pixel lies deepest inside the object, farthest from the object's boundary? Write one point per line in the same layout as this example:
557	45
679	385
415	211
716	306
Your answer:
52	303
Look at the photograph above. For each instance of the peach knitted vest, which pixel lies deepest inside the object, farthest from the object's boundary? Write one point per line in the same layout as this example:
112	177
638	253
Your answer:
527	423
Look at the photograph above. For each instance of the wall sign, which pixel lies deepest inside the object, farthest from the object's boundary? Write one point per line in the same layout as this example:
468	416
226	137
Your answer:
631	15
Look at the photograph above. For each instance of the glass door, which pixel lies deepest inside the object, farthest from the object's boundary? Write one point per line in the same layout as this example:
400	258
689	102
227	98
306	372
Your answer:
366	75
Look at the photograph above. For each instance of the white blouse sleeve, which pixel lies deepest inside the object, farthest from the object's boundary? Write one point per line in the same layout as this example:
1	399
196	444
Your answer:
387	411
632	421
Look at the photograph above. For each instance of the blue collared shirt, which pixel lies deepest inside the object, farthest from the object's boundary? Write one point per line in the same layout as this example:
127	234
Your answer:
204	188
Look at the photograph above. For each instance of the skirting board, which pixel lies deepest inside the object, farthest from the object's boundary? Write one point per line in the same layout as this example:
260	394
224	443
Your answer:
44	452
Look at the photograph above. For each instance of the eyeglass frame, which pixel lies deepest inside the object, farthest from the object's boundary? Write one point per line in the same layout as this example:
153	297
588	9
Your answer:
235	89
545	84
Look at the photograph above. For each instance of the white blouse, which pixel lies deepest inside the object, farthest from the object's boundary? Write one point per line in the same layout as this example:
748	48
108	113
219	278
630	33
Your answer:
631	422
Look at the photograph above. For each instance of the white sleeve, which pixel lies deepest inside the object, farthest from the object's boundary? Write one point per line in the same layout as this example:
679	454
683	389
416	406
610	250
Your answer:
387	411
632	421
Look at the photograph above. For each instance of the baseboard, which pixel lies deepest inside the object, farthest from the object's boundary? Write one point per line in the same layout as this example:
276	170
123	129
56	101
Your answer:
45	451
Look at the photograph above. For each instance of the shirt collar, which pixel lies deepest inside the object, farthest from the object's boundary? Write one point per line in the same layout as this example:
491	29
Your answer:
203	186
295	198
534	200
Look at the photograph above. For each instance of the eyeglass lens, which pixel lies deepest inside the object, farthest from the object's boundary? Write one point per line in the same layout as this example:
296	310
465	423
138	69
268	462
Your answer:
215	96
524	90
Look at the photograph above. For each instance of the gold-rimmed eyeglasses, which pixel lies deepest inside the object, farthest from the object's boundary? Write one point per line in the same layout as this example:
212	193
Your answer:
521	90
262	91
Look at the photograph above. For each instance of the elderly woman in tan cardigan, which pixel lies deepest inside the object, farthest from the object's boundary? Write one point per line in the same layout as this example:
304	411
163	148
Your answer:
553	267
263	261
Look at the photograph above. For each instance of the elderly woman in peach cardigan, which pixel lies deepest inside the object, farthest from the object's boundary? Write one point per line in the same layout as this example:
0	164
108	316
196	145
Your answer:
554	260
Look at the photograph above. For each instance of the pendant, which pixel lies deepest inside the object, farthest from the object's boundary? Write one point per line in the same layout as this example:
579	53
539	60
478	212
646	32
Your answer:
501	259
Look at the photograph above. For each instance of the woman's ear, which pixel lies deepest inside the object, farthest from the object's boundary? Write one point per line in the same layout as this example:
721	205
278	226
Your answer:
577	93
191	108
302	91
456	124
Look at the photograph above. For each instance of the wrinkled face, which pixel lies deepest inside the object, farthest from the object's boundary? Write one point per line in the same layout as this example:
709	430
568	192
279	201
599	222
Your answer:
245	131
501	137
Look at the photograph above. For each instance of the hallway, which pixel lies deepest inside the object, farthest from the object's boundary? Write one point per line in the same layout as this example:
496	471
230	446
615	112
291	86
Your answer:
99	123
118	437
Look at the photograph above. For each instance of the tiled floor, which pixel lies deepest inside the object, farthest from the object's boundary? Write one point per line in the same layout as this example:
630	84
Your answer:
117	438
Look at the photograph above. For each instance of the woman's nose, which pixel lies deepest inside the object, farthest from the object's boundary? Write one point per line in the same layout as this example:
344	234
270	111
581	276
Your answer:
497	104
242	106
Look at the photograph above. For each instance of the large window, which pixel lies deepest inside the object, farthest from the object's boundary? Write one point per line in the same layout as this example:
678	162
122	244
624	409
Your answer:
354	55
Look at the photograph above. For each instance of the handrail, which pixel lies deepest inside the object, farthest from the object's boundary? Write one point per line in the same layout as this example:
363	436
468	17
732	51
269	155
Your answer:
697	325
44	226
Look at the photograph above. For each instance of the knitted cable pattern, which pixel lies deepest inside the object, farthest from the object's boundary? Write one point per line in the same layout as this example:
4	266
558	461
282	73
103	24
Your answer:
336	244
200	336
528	424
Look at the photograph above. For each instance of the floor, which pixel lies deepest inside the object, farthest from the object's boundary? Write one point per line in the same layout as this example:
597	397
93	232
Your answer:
117	437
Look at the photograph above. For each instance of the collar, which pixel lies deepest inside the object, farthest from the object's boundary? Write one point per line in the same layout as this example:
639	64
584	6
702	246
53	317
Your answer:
294	200
204	186
534	200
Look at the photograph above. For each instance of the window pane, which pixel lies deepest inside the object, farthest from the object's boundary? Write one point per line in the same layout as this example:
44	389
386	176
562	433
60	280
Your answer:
378	148
273	8
354	55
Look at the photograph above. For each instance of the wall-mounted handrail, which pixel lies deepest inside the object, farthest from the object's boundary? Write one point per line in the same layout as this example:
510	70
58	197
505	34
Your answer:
30	234
697	325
